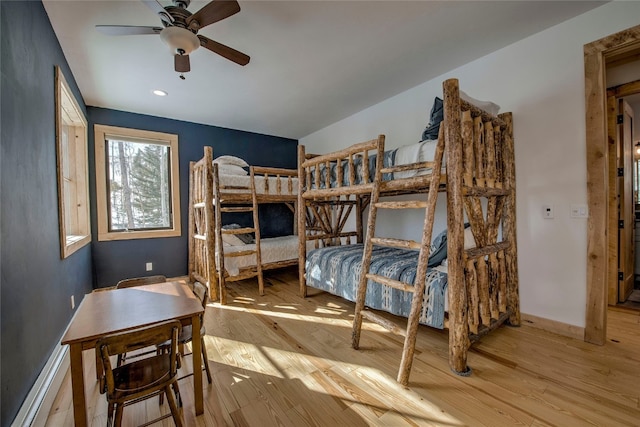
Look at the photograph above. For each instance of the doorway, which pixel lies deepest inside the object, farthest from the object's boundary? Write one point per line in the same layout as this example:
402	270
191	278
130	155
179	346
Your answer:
620	120
602	224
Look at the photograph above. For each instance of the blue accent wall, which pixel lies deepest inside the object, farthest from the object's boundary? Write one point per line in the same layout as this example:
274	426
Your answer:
116	260
36	284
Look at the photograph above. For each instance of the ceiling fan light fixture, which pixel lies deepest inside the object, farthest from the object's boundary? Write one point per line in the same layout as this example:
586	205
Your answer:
159	92
180	40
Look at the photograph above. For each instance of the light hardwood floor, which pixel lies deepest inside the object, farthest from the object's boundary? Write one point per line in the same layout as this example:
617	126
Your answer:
280	360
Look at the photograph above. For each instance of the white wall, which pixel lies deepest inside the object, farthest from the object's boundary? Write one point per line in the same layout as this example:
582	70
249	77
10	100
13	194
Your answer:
541	80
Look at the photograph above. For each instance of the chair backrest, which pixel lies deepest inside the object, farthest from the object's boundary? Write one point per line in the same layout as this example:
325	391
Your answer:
139	281
201	292
136	339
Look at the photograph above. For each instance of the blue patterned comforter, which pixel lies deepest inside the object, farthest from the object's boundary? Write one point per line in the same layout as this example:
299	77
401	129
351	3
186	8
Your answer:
336	269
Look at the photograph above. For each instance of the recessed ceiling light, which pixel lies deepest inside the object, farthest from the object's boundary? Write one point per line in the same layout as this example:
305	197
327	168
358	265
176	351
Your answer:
160	92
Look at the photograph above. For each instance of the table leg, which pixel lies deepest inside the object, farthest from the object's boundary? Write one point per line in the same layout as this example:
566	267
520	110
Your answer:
196	344
77	386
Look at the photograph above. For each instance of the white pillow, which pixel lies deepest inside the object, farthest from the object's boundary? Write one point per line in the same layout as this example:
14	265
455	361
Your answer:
231	160
490	107
224	169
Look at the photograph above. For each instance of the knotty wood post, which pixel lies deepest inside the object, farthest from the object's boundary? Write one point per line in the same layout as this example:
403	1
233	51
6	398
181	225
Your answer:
300	218
458	326
490	156
467	143
210	222
192	227
472	297
359	212
217	211
478	135
509	223
256	225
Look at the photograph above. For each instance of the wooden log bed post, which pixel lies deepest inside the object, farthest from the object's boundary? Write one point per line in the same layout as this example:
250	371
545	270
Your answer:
209	221
192	227
509	224
457	292
301	217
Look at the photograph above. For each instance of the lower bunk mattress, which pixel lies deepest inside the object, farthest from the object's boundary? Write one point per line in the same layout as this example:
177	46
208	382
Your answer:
274	249
337	269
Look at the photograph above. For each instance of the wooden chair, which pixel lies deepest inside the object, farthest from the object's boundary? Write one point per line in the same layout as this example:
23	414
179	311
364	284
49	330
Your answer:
139	281
130	283
142	378
186	336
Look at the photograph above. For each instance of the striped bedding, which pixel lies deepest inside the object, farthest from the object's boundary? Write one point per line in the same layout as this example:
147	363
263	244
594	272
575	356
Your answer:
336	269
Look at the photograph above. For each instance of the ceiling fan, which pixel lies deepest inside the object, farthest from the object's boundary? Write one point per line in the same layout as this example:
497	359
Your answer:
180	30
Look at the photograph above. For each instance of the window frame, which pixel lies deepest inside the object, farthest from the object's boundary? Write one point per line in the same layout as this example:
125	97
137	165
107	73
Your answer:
76	160
102	197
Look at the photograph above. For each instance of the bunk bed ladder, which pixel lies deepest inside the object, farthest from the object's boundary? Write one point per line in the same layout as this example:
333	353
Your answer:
417	288
219	208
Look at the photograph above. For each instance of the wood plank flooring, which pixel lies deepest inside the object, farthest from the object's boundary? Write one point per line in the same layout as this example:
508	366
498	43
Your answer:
280	360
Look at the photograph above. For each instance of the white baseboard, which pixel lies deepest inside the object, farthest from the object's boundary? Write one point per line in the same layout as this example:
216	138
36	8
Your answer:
36	407
554	326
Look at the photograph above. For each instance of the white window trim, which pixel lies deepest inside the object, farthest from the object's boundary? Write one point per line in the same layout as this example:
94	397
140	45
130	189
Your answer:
71	243
100	133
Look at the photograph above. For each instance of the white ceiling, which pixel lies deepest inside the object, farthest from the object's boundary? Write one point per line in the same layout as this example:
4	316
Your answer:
312	62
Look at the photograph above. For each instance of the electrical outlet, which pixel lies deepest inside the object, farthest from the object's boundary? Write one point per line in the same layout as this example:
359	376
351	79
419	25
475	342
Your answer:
73	302
547	211
149	266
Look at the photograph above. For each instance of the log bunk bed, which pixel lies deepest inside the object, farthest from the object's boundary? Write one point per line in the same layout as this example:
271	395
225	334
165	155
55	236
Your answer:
212	193
481	281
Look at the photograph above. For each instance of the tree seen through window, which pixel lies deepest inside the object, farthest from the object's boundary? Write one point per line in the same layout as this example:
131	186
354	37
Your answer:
139	185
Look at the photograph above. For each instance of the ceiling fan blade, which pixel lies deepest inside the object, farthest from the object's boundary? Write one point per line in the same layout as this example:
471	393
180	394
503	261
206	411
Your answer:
214	11
156	7
225	51
182	64
127	30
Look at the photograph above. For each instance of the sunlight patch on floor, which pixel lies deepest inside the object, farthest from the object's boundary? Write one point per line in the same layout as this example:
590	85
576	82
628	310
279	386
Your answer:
292	316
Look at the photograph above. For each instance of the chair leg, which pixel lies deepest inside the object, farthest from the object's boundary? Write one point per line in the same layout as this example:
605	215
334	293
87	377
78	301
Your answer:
176	391
160	351
110	408
119	408
177	416
205	360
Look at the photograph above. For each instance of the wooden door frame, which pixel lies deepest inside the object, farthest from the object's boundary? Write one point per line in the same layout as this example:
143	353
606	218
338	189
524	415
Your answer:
599	234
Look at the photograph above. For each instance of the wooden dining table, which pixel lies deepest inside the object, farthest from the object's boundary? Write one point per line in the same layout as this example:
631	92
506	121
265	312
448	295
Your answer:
104	313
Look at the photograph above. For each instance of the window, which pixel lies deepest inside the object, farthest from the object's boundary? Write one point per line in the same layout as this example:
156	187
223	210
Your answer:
137	184
73	184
